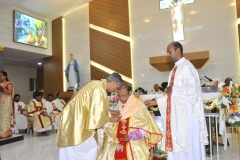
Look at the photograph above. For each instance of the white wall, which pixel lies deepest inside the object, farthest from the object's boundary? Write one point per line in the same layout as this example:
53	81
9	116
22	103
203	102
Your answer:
213	27
6	31
77	41
20	77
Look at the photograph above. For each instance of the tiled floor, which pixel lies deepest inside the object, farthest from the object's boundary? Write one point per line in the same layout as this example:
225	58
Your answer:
45	148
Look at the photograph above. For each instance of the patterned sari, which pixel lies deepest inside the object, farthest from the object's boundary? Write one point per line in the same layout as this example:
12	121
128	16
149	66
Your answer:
6	111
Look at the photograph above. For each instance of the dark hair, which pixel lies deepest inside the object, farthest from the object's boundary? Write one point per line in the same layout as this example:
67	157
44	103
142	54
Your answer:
177	45
38	94
58	94
16	95
34	94
50	95
227	78
125	86
5	74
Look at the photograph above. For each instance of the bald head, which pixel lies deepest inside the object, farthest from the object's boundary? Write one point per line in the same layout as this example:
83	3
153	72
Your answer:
174	51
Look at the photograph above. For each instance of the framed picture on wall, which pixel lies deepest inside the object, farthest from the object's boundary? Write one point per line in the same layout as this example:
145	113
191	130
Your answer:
29	30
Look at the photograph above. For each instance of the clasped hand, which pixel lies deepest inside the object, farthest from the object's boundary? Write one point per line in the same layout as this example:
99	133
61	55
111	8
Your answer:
115	116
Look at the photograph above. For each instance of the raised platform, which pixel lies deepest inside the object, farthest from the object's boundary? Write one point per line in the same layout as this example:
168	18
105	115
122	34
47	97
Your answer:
14	138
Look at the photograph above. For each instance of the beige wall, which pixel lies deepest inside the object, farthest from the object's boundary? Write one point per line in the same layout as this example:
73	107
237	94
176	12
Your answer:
6	31
209	25
20	77
77	41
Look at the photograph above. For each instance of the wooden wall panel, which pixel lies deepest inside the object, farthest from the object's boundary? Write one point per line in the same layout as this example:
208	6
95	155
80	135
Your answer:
99	74
40	79
238	8
110	14
53	66
111	52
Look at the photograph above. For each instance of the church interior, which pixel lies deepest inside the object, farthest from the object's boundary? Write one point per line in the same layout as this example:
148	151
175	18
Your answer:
40	39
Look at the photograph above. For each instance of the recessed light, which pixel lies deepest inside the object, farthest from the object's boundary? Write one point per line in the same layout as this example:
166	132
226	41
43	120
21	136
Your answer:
39	63
146	20
142	75
193	12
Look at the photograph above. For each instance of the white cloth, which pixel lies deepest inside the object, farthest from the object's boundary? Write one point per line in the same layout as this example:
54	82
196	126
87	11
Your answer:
222	128
60	103
21	120
196	149
186	90
55	118
158	92
72	75
84	151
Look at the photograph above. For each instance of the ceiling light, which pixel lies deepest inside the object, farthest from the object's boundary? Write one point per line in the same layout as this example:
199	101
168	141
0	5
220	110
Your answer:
193	12
146	20
39	63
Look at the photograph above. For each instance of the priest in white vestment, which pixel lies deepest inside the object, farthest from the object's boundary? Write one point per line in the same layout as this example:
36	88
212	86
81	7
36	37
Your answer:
60	103
53	111
20	114
182	110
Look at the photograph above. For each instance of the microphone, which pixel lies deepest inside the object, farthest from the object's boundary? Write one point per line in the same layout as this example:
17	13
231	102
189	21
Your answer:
210	80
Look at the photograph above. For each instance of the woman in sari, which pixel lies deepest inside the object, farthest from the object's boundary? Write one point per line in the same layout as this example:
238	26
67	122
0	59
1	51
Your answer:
6	105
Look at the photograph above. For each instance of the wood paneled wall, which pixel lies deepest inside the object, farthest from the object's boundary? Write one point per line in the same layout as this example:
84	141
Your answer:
99	74
107	50
40	79
53	66
111	52
110	14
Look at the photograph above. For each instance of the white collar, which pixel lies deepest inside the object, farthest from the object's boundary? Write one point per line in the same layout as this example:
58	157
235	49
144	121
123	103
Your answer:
180	61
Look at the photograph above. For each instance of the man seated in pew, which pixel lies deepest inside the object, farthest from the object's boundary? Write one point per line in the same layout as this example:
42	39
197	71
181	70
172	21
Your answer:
53	111
60	103
37	110
20	114
156	89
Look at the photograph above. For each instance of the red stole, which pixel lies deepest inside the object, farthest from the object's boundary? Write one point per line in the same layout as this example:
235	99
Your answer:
168	143
121	150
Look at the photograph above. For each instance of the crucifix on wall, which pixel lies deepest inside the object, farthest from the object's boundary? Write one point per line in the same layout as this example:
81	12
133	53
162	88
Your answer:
176	7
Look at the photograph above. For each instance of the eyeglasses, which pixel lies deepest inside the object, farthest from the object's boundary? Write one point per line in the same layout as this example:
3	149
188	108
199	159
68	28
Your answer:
122	96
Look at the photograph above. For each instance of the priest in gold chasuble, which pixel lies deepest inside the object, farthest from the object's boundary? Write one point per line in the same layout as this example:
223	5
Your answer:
87	111
37	110
134	135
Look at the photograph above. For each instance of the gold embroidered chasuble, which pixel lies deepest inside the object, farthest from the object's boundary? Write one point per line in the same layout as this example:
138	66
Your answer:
139	118
87	111
40	121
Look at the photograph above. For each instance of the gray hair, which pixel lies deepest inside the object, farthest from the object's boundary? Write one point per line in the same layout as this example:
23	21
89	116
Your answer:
115	77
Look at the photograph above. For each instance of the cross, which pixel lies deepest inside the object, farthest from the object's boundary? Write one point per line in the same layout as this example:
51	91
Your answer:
176	7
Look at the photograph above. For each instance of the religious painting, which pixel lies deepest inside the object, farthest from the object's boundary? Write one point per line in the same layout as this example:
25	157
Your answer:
176	7
29	30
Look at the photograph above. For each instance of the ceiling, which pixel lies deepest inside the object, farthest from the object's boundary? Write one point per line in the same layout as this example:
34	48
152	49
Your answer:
15	57
48	9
